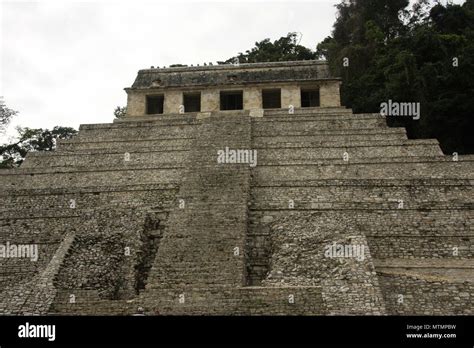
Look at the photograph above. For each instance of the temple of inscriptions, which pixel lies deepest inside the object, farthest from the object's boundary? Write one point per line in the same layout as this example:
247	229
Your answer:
238	190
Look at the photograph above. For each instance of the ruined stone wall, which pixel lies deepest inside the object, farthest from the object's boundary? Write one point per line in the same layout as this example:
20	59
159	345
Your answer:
248	240
105	196
411	295
306	195
301	300
251	79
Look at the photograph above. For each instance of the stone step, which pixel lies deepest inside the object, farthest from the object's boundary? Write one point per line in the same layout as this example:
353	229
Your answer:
313	127
35	230
309	111
130	122
326	134
368	170
85	177
207	235
426	295
284	155
120	145
151	198
311	117
275	162
88	302
382	182
146	131
448	246
410	222
87	159
128	187
250	300
67	212
363	197
164	144
455	270
328	138
309	154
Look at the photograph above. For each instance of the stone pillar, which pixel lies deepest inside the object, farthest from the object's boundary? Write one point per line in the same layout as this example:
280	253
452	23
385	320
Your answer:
136	103
329	94
173	99
210	100
290	95
252	98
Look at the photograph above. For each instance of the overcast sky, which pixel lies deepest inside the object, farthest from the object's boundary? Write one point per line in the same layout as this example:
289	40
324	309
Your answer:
67	62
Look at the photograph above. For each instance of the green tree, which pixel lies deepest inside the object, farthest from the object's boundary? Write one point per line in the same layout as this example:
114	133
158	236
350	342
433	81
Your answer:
285	48
120	112
30	139
423	54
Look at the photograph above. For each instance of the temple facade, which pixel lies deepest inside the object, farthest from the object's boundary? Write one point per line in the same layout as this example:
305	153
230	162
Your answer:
251	87
238	190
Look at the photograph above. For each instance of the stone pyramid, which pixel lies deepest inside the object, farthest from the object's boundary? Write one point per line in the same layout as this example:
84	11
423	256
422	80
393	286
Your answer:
339	214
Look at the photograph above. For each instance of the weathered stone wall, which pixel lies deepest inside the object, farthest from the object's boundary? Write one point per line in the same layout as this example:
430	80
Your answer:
35	295
128	181
136	103
298	242
230	74
411	295
210	100
94	193
172	101
252	98
329	94
357	201
290	95
250	78
301	300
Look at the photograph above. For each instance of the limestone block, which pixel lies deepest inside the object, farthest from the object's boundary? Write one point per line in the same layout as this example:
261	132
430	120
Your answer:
252	98
203	115
173	101
290	95
256	113
329	94
210	100
136	103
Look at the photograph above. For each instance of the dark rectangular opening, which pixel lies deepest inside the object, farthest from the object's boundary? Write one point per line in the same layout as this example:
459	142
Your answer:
231	100
309	98
192	102
154	104
271	98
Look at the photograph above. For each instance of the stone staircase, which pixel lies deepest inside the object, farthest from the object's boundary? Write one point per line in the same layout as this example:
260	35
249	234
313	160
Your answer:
198	248
88	188
204	245
356	200
158	223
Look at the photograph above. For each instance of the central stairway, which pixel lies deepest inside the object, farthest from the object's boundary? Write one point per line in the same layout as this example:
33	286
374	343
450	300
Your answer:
204	244
212	238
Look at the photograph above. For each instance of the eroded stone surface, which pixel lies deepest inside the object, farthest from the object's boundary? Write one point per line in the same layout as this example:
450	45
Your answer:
139	213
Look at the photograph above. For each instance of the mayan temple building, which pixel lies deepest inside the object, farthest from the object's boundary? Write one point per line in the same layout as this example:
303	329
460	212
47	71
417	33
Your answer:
238	190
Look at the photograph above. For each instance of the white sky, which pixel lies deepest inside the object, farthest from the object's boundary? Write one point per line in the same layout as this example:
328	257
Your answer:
67	62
